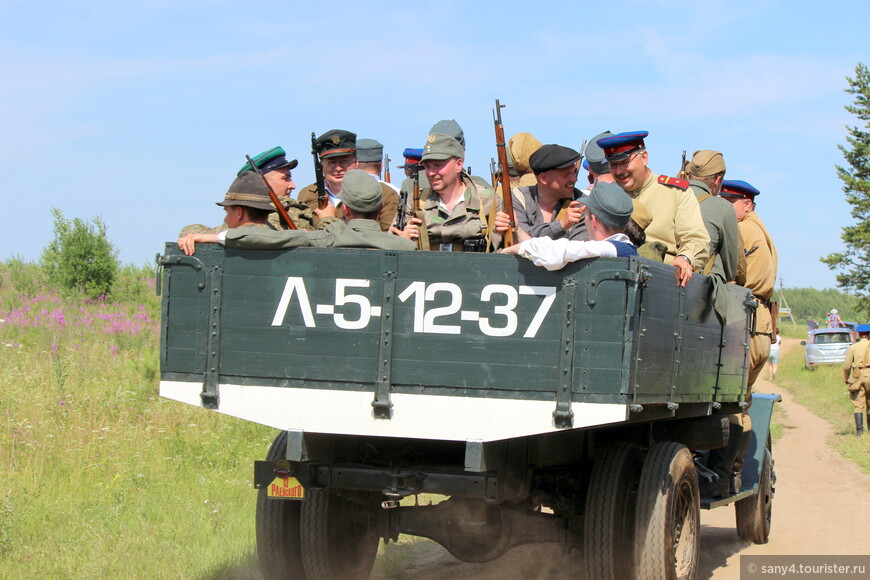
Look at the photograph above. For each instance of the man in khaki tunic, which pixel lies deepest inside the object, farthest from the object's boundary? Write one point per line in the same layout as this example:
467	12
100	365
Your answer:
676	215
856	369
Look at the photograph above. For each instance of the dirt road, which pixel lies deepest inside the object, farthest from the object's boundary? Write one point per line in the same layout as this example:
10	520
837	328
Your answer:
821	506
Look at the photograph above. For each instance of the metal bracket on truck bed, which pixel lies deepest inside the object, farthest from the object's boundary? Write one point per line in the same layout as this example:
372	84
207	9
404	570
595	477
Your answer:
209	393
563	415
381	405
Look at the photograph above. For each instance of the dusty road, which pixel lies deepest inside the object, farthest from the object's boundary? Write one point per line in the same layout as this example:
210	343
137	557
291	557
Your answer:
822	506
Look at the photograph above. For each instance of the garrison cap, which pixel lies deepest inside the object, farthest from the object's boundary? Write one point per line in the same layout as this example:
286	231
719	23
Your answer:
336	143
520	148
274	158
550	156
449	127
412	156
706	162
361	192
620	146
595	155
248	190
369	150
610	204
440	146
738	188
863	329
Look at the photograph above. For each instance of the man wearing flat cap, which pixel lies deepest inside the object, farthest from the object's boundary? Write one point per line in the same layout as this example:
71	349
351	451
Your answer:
705	172
459	214
370	154
677	221
549	208
608	211
246	204
362	202
337	152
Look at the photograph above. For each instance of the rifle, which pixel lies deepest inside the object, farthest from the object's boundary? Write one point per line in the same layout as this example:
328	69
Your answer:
277	202
682	173
322	197
503	173
387	168
493	173
423	237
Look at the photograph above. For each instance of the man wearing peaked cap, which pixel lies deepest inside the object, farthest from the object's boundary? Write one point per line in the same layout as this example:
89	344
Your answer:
677	221
362	202
705	172
549	208
457	211
370	154
451	127
337	152
608	211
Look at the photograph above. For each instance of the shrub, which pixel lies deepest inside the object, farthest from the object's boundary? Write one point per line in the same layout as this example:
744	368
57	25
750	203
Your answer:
80	257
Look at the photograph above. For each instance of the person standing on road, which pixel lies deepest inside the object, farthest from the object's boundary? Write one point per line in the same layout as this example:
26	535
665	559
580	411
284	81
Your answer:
856	368
773	357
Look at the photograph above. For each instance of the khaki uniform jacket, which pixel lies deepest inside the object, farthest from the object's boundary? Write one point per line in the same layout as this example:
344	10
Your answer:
761	266
856	365
308	197
468	218
358	233
676	222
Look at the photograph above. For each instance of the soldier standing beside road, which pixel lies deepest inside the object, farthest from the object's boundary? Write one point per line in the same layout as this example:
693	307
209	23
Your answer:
676	217
856	368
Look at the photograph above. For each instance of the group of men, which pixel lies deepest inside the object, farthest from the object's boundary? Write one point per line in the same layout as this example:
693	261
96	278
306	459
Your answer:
703	223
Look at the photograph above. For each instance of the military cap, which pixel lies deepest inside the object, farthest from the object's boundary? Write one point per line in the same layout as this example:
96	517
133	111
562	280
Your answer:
706	162
620	146
863	329
586	164
595	155
361	192
440	146
610	204
550	156
369	150
336	143
520	148
449	127
412	156
248	190
738	188
274	158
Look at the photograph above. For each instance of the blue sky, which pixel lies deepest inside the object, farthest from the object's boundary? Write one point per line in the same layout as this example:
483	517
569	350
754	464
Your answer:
142	112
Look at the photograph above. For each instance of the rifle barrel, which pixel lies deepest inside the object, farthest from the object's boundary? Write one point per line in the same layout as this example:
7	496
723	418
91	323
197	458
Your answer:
285	217
504	178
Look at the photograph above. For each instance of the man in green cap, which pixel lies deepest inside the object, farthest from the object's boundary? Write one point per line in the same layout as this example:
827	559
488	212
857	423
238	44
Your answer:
246	203
362	203
459	214
337	152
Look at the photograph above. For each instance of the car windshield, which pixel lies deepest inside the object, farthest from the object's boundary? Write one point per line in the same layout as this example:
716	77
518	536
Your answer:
832	338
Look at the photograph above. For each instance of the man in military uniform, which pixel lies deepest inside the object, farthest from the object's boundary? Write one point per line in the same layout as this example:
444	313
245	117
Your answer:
677	221
370	154
520	148
246	203
856	369
595	162
451	127
761	265
337	152
456	210
362	202
548	208
705	171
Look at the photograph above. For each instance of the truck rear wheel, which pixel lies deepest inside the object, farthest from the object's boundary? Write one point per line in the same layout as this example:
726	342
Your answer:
608	524
278	547
667	541
337	541
754	513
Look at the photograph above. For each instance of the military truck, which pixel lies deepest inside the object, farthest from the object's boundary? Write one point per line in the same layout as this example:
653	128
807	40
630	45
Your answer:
473	399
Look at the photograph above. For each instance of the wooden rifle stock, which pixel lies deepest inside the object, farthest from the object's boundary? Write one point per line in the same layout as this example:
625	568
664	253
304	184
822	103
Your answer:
322	197
285	217
504	178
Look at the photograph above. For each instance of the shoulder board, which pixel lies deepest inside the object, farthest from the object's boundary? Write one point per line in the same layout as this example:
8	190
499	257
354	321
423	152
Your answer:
674	182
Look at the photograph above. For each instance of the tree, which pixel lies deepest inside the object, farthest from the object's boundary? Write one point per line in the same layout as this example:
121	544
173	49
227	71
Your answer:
80	257
853	263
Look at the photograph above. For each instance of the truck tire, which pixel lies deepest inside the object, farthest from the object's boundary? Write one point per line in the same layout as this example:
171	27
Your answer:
667	539
278	547
608	523
754	513
337	542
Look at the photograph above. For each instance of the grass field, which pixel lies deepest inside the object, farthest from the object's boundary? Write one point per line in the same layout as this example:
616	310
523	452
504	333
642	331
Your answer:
103	479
